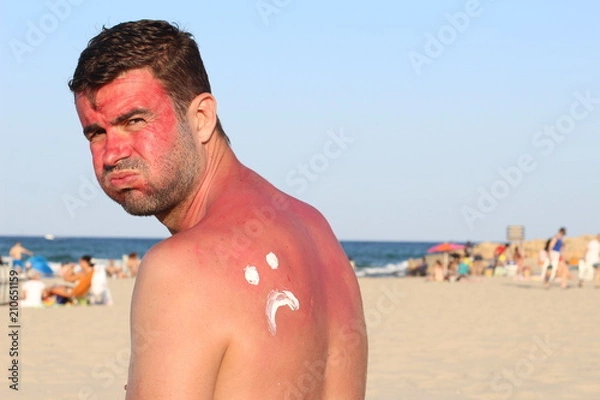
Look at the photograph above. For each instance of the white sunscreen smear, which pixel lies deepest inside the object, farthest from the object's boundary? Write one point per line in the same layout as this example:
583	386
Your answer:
251	274
272	260
277	299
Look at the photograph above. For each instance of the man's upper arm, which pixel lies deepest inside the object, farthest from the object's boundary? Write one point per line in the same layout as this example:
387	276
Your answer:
177	345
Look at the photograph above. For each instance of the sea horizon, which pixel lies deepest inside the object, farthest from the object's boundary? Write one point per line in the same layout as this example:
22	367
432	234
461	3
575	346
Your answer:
385	257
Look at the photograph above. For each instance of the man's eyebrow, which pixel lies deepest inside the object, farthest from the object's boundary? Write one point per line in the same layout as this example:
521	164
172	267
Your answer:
120	119
91	128
124	117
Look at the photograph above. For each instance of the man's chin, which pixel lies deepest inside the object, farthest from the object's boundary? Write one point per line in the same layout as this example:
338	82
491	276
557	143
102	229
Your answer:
137	207
138	212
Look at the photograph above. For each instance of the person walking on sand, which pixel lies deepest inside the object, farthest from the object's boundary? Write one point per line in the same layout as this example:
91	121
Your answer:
554	252
252	297
16	253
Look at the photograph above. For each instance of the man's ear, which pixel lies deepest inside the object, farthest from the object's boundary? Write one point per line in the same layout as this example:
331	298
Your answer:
202	115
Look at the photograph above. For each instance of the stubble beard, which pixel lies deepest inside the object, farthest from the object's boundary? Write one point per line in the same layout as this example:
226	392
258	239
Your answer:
179	171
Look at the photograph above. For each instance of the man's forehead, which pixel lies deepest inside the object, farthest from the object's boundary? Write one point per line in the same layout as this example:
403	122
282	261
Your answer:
135	84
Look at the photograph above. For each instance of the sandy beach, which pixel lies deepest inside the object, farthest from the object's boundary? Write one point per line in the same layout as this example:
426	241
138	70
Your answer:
494	339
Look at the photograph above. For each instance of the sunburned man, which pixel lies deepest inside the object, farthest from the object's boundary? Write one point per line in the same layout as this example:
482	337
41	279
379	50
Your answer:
252	297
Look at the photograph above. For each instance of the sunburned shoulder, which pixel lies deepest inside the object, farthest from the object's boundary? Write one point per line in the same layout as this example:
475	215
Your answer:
198	260
231	240
243	287
186	253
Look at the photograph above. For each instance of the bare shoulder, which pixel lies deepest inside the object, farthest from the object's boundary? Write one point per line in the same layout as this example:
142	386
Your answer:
185	267
173	316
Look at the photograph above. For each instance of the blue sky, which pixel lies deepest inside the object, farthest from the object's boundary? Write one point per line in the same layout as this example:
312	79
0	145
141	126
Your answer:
437	120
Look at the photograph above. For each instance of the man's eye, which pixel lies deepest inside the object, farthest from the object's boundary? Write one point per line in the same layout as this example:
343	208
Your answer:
135	121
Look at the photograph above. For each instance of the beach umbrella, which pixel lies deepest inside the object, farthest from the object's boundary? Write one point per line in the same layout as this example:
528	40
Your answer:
445	248
40	264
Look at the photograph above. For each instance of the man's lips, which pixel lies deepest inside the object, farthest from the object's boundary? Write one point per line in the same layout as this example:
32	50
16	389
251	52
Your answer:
122	178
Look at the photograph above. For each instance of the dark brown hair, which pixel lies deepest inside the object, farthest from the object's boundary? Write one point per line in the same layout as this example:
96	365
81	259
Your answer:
170	53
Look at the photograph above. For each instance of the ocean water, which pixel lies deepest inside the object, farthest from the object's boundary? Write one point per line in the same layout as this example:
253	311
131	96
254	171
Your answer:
371	258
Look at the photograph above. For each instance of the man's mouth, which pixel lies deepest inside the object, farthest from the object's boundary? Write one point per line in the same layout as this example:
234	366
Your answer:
122	179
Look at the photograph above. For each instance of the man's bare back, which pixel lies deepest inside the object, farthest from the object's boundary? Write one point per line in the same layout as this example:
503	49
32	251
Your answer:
16	252
272	300
252	297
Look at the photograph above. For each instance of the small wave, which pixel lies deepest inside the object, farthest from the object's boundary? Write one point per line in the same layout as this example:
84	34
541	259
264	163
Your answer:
398	269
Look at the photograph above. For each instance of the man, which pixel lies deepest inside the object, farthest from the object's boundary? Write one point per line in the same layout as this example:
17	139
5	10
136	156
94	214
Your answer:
554	250
252	297
16	253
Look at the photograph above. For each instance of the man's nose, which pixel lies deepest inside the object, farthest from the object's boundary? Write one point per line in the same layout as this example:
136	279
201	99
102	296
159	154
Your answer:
117	147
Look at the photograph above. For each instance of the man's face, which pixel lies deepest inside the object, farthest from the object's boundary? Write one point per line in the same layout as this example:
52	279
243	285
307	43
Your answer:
143	157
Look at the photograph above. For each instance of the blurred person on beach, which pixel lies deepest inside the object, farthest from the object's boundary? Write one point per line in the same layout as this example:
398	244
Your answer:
563	272
437	272
468	249
544	259
477	265
133	264
66	269
500	255
452	272
252	290
463	270
82	281
554	249
115	271
419	269
99	293
33	290
16	253
519	259
588	267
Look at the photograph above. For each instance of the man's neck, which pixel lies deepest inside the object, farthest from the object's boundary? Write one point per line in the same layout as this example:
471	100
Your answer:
219	164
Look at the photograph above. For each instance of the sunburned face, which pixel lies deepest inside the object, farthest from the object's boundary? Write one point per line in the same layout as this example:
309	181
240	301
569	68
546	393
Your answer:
143	157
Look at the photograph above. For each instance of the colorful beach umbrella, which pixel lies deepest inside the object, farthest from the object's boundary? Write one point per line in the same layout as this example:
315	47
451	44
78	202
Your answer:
445	247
